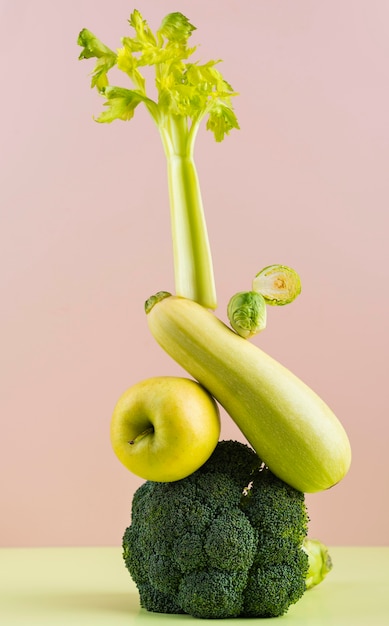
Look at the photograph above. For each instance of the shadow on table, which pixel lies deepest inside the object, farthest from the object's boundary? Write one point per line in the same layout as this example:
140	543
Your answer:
67	603
76	603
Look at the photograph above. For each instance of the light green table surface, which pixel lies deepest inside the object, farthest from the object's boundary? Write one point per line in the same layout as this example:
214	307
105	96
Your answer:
80	586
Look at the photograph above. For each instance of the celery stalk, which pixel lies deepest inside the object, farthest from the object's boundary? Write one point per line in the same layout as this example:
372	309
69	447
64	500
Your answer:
194	277
186	93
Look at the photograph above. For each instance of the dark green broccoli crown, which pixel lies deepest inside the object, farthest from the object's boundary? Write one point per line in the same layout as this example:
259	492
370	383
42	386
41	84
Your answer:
223	542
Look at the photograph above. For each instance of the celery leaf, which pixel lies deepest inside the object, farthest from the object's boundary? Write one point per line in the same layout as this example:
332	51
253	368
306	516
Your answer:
94	48
121	104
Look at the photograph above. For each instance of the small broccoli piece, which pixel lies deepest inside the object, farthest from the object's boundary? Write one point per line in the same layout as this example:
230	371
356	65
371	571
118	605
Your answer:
319	559
224	542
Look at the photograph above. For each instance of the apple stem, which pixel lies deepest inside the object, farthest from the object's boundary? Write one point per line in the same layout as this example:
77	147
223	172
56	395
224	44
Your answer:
141	435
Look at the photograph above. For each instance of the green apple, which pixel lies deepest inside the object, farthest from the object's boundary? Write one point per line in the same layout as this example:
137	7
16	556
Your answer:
164	428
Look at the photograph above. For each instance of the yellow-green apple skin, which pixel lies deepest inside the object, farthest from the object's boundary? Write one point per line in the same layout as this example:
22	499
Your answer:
164	428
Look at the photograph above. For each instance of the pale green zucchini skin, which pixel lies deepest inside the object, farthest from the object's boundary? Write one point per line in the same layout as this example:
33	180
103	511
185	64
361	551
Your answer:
292	430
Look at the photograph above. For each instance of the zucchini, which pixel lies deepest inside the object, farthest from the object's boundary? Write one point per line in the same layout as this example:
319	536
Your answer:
289	426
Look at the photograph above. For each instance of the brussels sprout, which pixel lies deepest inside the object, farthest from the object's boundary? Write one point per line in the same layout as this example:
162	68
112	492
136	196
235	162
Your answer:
246	311
278	284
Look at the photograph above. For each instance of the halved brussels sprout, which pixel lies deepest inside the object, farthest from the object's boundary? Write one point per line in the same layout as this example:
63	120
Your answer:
278	284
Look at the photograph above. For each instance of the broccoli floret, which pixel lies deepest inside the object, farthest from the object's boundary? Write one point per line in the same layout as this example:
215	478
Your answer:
231	542
236	460
270	591
211	593
226	541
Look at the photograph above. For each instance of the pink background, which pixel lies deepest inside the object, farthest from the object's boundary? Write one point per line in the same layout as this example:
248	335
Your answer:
85	239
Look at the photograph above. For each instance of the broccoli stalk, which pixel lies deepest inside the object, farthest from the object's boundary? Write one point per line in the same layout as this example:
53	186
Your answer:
226	541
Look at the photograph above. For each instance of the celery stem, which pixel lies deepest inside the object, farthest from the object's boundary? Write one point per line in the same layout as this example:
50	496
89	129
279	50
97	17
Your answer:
193	267
191	250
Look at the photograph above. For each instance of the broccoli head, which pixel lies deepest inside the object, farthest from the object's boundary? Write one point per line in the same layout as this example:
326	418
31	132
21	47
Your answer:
226	541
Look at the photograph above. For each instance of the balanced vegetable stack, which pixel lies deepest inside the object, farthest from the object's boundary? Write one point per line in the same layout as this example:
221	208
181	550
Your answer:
219	528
